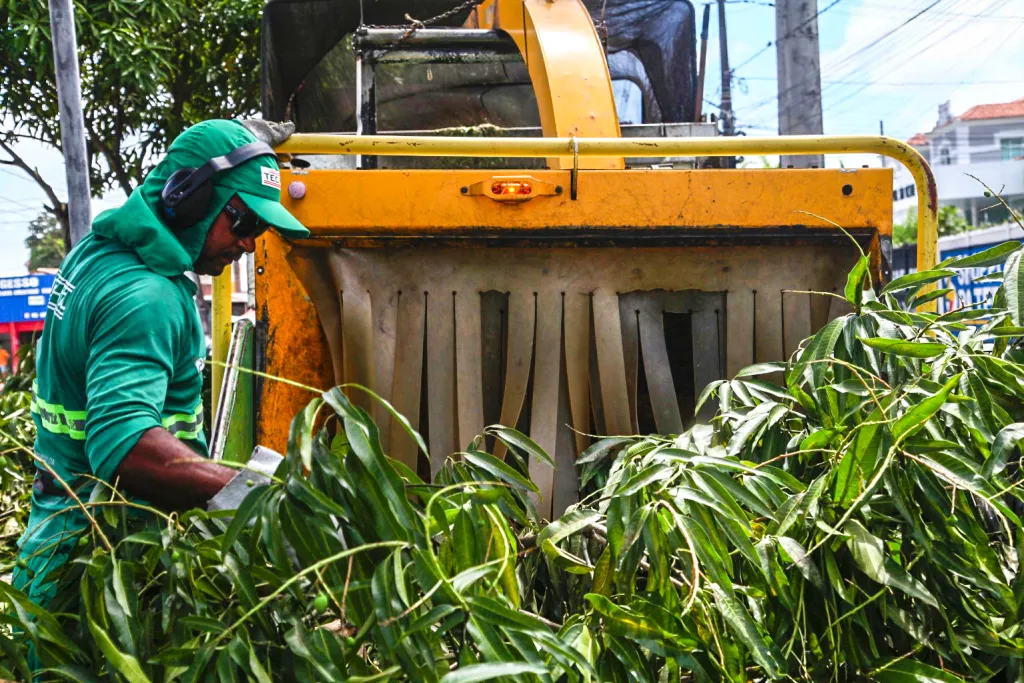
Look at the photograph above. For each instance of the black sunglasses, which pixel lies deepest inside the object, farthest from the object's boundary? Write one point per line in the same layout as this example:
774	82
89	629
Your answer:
245	224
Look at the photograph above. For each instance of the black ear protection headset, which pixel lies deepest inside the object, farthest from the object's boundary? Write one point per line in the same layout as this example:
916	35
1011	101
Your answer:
185	198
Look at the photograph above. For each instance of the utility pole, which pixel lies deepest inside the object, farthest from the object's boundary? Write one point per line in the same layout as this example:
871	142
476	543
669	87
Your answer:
799	70
728	124
72	122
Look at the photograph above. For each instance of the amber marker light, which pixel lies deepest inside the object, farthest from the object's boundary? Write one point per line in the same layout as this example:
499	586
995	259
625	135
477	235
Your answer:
517	188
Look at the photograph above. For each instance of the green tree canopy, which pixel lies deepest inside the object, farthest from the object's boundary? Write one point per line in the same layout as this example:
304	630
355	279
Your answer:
149	69
951	222
45	242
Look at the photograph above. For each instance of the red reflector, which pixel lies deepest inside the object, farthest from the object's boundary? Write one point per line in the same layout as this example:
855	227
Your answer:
507	188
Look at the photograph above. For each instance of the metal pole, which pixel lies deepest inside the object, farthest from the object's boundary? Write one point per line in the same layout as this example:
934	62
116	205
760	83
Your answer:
723	46
72	122
366	103
220	331
703	64
881	131
799	71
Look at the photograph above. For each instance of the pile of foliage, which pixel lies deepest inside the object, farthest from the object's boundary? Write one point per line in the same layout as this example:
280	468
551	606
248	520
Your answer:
852	513
16	428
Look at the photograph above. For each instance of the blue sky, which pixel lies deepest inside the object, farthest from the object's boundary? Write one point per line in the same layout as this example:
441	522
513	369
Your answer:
966	51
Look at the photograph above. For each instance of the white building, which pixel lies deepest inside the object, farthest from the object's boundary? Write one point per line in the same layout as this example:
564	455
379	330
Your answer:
986	141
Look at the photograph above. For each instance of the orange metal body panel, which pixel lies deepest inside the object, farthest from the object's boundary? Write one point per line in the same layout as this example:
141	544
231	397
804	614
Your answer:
382	203
294	347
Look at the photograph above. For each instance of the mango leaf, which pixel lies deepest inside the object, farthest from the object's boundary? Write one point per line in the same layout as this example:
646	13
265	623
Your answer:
760	369
125	664
750	429
599	451
301	437
72	672
855	282
910	671
489	672
499	470
623	621
919	279
901	347
511	437
1008	331
917	416
553	533
918	301
430	618
603	574
738	619
1004	445
385	675
802	560
1013	288
643	478
818	439
819	348
490	610
402	420
989	257
709	390
869	553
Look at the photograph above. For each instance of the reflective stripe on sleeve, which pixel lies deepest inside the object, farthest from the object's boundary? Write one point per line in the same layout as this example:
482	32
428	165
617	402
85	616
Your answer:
185	425
56	419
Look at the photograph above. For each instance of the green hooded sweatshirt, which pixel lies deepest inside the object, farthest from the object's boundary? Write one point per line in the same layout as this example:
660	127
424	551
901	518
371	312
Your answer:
122	349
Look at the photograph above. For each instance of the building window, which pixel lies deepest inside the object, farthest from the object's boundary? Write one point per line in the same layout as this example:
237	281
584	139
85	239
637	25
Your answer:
944	157
1011	148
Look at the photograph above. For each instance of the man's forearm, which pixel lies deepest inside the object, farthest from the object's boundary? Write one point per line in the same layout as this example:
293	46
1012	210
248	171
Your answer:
163	470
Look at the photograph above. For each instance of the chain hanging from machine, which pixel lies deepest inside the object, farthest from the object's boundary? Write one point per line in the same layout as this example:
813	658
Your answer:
416	24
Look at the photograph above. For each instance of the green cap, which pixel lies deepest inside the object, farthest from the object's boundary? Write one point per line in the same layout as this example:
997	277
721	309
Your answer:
257	182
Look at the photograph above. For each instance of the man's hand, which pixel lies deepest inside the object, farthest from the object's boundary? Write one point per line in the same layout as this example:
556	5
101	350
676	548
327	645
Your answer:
163	470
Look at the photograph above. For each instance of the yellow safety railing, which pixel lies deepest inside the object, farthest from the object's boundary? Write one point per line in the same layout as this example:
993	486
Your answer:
401	145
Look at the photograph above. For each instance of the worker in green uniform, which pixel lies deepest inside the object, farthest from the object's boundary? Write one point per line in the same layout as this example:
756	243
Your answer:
120	361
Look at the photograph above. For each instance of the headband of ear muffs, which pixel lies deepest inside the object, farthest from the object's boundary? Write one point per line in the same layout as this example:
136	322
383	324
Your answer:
185	197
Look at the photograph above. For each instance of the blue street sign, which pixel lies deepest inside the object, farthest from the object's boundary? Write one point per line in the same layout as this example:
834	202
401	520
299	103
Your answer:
23	298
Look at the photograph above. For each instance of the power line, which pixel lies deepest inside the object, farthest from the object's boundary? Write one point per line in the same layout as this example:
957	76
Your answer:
23	205
927	47
942	13
859	51
980	63
897	83
25	177
784	36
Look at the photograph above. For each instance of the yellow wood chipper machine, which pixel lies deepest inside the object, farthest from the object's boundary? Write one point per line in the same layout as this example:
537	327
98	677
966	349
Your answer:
559	272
